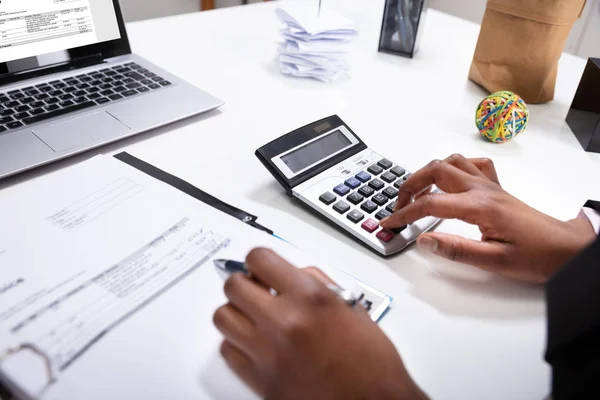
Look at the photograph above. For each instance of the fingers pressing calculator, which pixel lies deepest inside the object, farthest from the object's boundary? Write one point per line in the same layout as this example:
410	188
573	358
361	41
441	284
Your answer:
330	170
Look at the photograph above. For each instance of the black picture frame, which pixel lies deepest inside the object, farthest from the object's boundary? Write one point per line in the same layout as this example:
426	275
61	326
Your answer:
402	26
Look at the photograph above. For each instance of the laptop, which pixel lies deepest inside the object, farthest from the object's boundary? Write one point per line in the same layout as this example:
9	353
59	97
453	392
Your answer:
69	83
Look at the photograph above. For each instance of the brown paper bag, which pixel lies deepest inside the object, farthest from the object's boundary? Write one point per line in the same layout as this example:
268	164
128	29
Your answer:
520	43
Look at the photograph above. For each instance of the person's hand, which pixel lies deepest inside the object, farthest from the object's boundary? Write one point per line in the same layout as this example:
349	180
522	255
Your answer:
518	242
305	343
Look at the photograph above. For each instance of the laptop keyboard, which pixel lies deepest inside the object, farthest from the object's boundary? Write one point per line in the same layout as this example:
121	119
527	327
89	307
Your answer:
59	97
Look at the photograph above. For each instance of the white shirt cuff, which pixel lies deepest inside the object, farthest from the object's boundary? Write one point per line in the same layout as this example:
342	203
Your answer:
593	216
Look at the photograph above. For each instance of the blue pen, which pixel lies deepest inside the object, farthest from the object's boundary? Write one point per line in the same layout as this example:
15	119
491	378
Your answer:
228	267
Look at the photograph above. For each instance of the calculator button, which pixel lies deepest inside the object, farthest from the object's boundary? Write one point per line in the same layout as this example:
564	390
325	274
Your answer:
363	176
369	206
390	207
389	177
375	169
376	184
385	235
341	207
327	198
355	216
385	164
398	230
399	183
390	192
379	199
352	183
398	171
366	191
341	189
382	214
370	225
355	198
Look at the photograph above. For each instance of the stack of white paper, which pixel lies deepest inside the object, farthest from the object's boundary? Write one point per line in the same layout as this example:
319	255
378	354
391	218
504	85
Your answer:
314	44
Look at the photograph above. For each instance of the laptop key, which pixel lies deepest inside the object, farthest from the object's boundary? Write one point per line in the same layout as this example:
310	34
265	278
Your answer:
17	96
6	120
57	113
133	66
14	125
21	108
147	82
21	115
70	89
45	89
67	103
86	79
37	111
129	93
143	89
6	112
133	85
128	80
97	82
55	93
119	89
27	100
94	96
93	90
105	86
52	100
165	83
52	107
80	100
12	104
31	92
3	99
37	104
158	79
79	93
83	86
3	129
115	97
135	75
107	92
149	74
13	92
42	96
59	85
102	100
154	86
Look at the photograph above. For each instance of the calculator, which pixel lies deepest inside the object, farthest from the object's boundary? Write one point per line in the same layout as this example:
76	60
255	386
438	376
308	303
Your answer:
329	169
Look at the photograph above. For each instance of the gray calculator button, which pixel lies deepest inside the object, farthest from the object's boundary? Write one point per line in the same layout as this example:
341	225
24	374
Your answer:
399	183
389	177
327	198
376	184
390	207
382	214
379	199
375	169
397	170
341	207
405	177
390	192
355	198
385	164
366	191
355	216
369	206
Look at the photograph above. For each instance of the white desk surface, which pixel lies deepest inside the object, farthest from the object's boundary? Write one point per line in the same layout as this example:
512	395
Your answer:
464	334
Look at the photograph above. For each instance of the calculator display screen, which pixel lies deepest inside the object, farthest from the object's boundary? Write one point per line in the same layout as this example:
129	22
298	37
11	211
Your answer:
316	151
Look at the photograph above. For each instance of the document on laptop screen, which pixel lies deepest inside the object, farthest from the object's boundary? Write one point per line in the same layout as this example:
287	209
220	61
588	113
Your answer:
33	27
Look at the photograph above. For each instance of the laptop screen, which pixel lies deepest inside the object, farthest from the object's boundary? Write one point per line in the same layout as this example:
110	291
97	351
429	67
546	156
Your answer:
34	27
39	33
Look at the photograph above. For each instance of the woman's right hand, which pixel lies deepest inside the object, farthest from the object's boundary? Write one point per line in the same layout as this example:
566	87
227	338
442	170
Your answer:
518	242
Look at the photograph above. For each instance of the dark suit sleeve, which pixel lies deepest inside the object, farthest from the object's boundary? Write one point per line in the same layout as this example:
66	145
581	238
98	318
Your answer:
573	307
595	205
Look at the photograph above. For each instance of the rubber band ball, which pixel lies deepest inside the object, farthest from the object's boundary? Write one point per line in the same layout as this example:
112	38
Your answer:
502	116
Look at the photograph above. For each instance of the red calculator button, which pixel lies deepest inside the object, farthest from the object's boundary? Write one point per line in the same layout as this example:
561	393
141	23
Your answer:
385	235
370	225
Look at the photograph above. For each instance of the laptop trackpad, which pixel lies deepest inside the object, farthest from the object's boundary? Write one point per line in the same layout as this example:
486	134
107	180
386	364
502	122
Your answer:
81	131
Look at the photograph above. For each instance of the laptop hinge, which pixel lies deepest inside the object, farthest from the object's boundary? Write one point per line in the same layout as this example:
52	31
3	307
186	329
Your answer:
79	63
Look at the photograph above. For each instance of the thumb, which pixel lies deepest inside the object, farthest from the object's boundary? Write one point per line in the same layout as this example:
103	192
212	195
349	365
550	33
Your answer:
485	255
